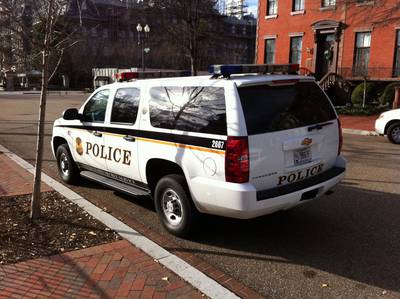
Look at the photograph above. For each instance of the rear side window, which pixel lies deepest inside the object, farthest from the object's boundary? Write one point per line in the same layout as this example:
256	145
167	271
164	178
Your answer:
192	109
125	105
275	108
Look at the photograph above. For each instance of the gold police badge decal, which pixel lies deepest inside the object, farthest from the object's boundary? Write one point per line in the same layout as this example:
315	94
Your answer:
78	146
307	141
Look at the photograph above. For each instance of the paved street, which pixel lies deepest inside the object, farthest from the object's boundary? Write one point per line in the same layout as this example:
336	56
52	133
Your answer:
346	245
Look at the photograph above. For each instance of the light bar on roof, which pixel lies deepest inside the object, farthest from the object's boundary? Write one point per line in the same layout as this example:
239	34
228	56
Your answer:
126	76
226	70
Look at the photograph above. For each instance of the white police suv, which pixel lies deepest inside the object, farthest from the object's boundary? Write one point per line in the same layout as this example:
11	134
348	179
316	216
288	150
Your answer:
247	141
388	123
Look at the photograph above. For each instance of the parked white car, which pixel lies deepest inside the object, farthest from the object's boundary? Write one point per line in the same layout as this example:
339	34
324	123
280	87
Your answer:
388	123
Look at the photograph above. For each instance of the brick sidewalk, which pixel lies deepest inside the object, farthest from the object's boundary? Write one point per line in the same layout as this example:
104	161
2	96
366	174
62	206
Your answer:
14	180
105	271
356	122
116	270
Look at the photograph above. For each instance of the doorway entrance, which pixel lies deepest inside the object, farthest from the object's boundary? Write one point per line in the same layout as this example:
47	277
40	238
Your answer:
325	54
327	35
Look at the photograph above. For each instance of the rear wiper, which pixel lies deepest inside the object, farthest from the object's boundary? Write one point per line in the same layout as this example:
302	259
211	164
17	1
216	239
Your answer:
319	126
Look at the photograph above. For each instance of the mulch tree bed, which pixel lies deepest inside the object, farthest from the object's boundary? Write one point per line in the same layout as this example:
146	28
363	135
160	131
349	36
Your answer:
63	227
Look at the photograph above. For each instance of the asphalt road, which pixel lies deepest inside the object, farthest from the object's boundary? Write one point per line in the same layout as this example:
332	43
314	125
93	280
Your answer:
346	245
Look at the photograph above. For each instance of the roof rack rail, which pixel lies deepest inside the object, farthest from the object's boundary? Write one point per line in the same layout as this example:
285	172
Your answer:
226	70
128	76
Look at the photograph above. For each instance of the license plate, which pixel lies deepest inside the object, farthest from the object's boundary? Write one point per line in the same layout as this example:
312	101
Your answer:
302	156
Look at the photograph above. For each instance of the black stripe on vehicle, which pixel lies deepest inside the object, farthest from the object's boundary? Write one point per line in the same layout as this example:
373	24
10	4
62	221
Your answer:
176	138
114	176
283	190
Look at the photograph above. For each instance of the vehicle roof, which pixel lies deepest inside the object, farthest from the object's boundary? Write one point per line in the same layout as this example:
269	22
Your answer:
239	80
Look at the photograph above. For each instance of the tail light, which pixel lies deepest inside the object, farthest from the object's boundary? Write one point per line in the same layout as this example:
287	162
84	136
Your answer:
340	137
237	160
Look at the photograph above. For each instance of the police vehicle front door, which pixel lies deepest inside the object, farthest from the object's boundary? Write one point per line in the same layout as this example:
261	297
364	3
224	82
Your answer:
90	137
121	139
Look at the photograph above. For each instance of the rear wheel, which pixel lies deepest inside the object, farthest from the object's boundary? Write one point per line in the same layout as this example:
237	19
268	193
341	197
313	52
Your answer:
67	168
174	205
393	133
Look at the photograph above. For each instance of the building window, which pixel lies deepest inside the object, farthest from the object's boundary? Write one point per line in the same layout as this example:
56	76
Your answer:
272	7
327	3
298	5
396	71
361	55
295	49
269	54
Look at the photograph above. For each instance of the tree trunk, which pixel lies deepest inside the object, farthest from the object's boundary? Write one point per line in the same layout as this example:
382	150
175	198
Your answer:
35	202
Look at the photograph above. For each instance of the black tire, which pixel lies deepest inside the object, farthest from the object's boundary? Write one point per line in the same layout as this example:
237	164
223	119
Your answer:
168	187
68	170
393	133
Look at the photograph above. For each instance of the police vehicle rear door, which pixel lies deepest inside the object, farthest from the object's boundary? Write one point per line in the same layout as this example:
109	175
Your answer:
121	137
293	131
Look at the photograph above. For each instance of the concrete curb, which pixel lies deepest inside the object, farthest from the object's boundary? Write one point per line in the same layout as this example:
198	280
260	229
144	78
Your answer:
52	92
360	132
190	274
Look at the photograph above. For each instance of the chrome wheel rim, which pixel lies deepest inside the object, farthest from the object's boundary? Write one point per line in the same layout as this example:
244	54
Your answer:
396	134
64	165
172	207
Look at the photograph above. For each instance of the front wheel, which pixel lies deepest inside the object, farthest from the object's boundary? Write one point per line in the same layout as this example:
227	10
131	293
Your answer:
393	133
67	168
174	206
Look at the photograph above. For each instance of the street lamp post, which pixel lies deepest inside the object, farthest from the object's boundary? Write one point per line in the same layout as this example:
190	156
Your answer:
143	34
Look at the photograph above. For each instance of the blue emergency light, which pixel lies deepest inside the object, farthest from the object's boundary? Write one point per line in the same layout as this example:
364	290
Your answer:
226	70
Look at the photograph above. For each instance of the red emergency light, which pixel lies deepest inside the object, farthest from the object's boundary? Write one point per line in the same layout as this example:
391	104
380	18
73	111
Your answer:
126	76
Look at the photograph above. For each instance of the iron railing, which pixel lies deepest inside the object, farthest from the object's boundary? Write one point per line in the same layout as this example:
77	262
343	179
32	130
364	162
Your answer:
369	72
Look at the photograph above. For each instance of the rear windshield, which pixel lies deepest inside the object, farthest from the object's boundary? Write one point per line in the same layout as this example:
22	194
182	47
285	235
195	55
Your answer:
275	108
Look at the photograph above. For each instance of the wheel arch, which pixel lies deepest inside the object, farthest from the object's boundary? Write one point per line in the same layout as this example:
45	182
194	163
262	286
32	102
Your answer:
389	124
157	168
57	141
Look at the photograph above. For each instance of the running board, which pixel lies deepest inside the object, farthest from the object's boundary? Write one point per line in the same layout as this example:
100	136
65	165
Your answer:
125	188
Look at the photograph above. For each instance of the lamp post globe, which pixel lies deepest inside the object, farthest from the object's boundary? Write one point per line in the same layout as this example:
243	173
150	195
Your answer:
142	41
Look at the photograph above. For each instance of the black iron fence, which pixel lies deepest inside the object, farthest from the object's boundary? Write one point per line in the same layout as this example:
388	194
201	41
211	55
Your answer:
369	72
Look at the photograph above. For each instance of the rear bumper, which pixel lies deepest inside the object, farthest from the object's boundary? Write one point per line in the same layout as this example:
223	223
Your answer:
244	201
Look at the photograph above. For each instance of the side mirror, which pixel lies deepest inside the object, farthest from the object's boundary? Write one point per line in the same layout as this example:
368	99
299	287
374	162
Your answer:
71	114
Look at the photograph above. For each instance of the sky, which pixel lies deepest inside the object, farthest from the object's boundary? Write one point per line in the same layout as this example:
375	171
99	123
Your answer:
253	6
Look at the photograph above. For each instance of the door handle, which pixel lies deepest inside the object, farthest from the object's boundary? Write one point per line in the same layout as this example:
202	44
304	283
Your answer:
97	134
130	138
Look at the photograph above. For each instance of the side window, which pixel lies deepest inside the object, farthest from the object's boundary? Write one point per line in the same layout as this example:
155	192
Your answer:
125	106
192	109
95	109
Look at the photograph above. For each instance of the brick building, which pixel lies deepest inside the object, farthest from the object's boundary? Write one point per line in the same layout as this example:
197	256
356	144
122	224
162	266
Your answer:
351	38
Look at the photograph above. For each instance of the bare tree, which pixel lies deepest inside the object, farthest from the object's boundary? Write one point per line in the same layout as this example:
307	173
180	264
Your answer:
50	21
191	28
49	40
